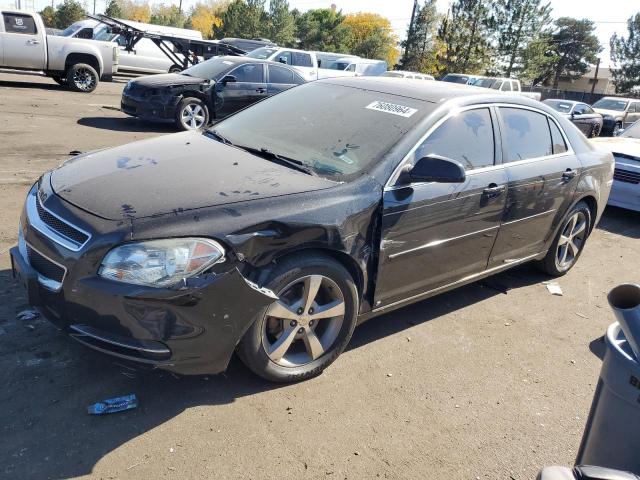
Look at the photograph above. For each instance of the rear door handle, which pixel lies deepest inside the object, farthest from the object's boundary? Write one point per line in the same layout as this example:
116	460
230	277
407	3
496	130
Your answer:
261	89
569	174
493	190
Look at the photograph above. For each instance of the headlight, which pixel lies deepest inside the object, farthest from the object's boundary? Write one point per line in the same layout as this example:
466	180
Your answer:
159	263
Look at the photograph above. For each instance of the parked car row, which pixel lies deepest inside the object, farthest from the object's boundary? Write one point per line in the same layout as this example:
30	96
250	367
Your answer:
276	231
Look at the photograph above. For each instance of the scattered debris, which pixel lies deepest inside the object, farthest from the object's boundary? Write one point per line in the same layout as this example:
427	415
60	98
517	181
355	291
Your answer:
74	153
113	405
573	362
581	315
389	374
171	450
507	324
554	289
26	315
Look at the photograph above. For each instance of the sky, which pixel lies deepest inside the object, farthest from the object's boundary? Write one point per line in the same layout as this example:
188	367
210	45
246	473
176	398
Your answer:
610	15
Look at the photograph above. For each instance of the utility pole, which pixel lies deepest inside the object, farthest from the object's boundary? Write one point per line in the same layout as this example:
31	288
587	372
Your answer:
595	80
410	33
180	7
94	7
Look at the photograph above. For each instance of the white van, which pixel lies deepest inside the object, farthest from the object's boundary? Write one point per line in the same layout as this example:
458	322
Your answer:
305	62
145	57
360	66
406	74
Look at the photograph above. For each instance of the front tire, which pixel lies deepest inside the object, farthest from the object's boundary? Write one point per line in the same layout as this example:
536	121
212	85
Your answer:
569	242
616	129
595	130
192	114
82	78
302	333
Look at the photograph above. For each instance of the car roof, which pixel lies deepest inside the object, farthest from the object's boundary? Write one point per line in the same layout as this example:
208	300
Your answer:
626	99
573	102
435	92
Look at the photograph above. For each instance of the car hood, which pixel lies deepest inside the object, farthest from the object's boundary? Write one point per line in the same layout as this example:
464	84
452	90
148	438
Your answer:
611	113
625	146
166	80
173	173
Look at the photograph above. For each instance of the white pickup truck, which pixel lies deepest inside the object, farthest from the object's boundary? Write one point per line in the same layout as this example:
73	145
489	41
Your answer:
76	63
305	62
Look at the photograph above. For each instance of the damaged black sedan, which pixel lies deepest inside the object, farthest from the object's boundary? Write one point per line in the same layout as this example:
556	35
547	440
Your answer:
206	92
274	239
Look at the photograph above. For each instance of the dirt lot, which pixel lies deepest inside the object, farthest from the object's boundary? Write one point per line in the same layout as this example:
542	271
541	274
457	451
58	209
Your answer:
492	381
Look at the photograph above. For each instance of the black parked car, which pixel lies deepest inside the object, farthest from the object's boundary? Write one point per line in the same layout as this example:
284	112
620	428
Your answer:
276	232
207	91
582	115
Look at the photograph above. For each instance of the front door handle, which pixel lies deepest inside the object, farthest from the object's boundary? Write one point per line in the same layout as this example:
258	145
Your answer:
493	190
569	174
33	42
261	89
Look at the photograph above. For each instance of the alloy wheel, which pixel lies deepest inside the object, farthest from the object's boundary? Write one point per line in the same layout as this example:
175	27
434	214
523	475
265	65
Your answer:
305	322
84	79
192	116
571	240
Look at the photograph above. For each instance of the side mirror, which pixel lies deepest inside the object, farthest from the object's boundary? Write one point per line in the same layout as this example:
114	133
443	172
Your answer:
282	60
229	79
434	168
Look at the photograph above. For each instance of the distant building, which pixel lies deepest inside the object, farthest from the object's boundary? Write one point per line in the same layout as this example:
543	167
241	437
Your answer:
604	83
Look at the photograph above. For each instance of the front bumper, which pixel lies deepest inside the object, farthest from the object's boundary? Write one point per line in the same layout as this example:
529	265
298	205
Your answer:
190	329
151	110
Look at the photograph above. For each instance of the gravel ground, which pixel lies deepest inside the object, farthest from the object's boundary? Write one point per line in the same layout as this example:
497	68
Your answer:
493	380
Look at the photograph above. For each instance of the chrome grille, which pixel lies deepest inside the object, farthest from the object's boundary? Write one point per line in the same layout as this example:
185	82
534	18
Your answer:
626	176
60	226
53	227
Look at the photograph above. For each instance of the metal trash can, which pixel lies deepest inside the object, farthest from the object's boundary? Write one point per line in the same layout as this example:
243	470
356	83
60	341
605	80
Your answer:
612	435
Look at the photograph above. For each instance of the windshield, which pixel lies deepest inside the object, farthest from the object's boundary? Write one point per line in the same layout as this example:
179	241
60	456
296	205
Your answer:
339	132
611	104
102	33
339	66
633	131
70	30
559	105
482	82
262	53
456	79
210	69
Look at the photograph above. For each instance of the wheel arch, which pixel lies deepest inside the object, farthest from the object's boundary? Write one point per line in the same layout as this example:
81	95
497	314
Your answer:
75	58
344	259
592	203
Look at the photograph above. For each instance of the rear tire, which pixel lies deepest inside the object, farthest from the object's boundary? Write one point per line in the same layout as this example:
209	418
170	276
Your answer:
569	242
82	78
616	129
595	130
175	69
310	325
192	114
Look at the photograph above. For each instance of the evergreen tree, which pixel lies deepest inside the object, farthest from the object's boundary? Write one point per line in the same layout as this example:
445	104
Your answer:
281	25
465	34
420	45
48	15
321	29
113	9
242	19
518	22
68	12
625	54
574	47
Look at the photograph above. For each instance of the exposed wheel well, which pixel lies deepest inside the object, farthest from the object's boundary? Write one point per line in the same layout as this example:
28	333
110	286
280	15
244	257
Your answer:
75	58
344	259
592	203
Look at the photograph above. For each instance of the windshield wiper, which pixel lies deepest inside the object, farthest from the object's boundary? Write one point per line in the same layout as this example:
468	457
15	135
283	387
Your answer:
219	137
281	159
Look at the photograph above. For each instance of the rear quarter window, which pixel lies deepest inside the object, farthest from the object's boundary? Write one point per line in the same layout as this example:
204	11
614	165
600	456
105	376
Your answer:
14	23
302	59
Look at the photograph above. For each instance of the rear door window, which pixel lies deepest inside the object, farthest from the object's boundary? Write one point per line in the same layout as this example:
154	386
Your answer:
280	75
284	57
466	137
302	59
525	135
16	23
249	73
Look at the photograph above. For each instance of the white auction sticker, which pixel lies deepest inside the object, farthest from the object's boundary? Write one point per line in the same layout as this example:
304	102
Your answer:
393	108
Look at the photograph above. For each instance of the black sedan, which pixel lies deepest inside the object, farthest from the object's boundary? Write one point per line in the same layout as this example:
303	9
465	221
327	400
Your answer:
274	239
582	115
207	91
